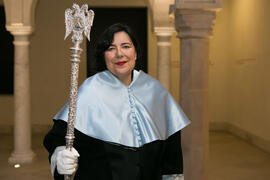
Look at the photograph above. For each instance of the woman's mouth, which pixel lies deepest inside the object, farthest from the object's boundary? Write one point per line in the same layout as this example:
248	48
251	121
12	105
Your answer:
121	63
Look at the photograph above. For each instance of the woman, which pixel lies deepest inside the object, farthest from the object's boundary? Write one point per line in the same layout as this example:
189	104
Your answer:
127	125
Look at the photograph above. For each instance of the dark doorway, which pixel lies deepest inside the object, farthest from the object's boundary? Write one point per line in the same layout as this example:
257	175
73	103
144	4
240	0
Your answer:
6	56
136	18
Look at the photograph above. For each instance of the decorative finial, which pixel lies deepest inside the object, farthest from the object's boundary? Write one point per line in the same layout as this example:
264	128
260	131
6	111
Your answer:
78	20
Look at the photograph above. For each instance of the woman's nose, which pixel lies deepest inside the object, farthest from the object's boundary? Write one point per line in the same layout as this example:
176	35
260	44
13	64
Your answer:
119	52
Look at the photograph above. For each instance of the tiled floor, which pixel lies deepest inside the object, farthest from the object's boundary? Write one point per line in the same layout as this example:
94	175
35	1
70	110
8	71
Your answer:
230	159
234	159
38	170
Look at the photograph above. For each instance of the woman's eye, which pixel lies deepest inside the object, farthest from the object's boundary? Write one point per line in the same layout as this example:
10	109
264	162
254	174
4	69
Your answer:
126	47
110	48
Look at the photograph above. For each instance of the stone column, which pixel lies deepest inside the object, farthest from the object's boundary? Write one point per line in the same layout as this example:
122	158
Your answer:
22	152
195	28
164	54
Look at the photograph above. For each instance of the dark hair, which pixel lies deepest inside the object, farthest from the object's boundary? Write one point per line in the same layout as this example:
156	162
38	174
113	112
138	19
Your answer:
106	40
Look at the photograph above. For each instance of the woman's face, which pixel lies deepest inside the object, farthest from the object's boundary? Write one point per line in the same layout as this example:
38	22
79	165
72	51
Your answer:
120	57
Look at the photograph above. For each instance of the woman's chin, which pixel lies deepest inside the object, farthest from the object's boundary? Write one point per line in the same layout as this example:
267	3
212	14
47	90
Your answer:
122	75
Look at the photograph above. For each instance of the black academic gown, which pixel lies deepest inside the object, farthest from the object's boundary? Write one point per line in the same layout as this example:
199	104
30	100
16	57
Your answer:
100	160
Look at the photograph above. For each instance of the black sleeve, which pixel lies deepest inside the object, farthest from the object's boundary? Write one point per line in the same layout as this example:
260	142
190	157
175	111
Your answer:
173	160
93	157
55	137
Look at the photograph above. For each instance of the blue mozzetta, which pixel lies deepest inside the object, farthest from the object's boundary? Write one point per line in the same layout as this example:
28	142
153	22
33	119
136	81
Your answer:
131	115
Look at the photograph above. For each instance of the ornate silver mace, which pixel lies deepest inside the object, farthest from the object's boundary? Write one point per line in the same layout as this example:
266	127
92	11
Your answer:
77	20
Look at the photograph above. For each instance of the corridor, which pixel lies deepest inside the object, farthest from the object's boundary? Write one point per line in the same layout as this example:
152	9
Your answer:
230	159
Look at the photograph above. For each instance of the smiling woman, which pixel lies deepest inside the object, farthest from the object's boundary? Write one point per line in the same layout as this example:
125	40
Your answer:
120	57
127	124
129	16
117	51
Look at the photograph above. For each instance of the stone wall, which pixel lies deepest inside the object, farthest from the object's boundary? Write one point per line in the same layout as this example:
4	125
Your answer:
239	85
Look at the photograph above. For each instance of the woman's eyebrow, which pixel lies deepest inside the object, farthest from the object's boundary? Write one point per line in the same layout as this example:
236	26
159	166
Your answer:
126	43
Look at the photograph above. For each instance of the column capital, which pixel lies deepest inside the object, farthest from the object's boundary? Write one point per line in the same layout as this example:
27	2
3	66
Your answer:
195	23
20	12
198	4
18	29
164	31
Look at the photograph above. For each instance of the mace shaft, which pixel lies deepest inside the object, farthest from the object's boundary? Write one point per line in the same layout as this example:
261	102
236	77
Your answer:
75	60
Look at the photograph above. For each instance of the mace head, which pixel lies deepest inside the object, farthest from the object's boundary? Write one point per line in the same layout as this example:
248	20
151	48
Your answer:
78	20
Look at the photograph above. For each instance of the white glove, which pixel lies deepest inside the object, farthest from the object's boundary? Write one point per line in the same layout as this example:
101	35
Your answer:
65	160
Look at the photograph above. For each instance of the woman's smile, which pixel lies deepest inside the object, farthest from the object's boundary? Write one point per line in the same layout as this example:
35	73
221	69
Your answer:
121	63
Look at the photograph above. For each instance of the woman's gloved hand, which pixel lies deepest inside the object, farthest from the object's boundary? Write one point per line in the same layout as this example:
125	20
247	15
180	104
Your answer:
66	160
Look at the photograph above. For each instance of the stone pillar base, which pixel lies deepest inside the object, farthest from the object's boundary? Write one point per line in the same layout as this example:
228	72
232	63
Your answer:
21	158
